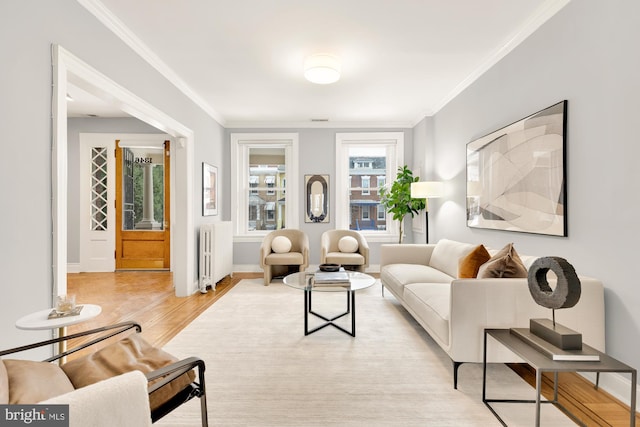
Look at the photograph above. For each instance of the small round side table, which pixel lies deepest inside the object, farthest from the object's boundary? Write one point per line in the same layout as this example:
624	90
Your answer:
40	320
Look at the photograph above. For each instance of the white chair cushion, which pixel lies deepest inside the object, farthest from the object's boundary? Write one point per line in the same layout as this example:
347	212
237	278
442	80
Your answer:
280	245
348	244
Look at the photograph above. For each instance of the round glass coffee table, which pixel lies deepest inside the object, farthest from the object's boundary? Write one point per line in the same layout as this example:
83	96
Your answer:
305	282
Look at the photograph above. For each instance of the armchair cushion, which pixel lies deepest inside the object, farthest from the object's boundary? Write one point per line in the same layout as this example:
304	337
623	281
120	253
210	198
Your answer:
348	244
280	245
289	258
345	258
32	382
129	354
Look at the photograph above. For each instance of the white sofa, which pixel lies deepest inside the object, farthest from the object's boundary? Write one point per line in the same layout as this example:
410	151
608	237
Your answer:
455	312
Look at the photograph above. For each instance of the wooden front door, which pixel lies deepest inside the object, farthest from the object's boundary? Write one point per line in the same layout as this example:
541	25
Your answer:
142	208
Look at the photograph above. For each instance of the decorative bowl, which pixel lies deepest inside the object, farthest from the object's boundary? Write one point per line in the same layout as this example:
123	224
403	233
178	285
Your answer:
329	267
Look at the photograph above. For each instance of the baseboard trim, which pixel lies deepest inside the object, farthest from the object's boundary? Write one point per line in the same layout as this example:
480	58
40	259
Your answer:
252	268
73	267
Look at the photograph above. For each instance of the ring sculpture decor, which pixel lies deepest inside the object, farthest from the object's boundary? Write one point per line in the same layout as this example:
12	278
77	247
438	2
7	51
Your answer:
567	291
565	295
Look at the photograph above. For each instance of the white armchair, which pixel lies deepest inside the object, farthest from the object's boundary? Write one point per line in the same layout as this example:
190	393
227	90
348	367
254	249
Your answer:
331	253
279	262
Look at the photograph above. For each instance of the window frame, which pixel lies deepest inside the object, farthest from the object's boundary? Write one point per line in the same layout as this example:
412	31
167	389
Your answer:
241	143
394	145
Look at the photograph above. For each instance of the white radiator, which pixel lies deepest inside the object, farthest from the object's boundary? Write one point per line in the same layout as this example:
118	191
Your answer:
216	253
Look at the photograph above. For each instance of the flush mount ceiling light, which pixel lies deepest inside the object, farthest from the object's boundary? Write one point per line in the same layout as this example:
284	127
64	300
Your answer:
322	68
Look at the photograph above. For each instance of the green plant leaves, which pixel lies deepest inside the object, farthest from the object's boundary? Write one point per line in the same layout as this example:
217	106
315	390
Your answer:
397	199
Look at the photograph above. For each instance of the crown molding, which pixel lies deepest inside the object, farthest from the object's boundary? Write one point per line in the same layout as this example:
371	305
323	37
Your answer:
318	125
535	21
113	23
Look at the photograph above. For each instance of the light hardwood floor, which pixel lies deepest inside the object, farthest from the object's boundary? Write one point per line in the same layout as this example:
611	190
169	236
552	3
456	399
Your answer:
148	298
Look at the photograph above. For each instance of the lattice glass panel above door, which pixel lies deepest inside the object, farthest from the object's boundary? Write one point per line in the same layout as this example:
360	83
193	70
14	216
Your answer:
99	189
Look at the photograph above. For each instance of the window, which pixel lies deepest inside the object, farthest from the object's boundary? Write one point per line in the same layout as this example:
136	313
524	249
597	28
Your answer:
365	213
365	184
253	183
271	183
360	159
270	210
266	166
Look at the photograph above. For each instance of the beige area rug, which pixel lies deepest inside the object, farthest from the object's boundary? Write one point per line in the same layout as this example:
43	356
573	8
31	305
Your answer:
263	371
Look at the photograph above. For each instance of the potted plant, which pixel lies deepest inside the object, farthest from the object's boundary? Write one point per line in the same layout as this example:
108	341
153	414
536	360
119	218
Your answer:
397	199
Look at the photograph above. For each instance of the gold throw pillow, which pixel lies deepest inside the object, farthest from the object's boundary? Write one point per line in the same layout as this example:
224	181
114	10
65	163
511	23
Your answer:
469	265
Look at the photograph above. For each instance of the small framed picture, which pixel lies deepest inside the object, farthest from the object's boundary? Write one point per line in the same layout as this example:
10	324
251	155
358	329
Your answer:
209	190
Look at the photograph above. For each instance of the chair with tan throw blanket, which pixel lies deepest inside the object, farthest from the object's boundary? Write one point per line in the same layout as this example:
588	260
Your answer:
170	382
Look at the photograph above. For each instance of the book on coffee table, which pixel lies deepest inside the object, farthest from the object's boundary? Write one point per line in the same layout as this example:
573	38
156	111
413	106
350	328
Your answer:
331	278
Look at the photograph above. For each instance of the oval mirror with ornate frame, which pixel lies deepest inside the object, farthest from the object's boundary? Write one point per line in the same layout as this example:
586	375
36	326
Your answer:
317	198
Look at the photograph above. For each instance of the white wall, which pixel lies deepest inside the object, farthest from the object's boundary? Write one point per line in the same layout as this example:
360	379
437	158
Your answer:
424	162
587	54
26	37
317	156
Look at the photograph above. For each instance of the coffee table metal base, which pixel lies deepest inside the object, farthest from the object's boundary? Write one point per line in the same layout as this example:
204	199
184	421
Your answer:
351	309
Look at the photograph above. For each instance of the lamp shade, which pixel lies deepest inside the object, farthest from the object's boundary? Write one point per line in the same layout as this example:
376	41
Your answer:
322	68
426	189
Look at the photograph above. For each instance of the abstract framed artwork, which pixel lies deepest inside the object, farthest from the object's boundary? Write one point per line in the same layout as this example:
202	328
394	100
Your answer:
317	198
209	190
516	176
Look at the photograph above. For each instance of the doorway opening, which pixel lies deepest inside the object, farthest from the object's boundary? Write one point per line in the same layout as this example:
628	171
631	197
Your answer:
69	69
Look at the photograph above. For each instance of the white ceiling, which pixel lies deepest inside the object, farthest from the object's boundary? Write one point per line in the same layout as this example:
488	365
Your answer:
241	60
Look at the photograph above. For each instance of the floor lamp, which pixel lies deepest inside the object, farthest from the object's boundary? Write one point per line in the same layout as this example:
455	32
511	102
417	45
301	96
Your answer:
426	190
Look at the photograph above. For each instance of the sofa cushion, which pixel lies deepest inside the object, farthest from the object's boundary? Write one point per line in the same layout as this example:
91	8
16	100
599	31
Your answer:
506	263
527	260
396	276
431	303
129	354
468	265
32	382
446	255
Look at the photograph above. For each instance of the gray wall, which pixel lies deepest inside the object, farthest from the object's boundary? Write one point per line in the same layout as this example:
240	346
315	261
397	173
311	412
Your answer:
29	30
76	126
317	156
587	54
